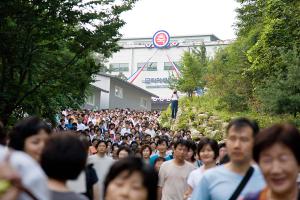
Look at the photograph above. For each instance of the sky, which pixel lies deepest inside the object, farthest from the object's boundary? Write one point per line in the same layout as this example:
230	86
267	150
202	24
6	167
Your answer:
181	17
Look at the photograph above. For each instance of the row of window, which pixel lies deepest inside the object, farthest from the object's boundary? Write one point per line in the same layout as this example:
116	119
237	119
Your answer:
150	66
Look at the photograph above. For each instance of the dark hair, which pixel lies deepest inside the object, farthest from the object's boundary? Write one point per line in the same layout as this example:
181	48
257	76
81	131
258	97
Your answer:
114	145
131	165
101	141
145	147
125	148
156	137
153	142
123	137
25	128
95	139
64	156
180	142
159	159
162	140
224	160
133	142
222	144
285	134
192	146
240	123
212	143
85	141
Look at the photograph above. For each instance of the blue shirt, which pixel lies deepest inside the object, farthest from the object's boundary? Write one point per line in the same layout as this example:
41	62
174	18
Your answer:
219	183
69	126
154	157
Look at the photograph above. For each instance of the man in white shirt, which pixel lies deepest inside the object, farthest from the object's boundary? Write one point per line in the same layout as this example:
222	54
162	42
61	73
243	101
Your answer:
135	121
92	119
221	182
102	163
80	125
126	129
150	131
173	174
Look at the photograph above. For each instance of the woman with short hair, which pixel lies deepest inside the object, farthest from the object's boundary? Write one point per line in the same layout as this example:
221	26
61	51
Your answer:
208	152
146	153
277	152
29	135
131	179
124	152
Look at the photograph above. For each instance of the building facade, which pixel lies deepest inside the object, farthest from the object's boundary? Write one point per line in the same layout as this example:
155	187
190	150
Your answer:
138	52
110	92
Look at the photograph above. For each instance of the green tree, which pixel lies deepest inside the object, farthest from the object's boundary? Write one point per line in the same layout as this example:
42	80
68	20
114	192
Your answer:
228	78
273	64
281	92
249	16
280	32
254	71
46	52
194	67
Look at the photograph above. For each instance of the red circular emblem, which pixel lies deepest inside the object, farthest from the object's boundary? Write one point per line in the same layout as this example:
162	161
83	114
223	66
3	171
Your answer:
161	39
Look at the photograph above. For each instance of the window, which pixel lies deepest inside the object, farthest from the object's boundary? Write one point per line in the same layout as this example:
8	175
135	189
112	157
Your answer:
119	67
91	99
169	65
150	66
144	102
119	92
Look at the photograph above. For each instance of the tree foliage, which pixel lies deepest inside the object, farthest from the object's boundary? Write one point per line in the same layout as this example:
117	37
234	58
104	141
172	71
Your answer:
260	70
46	51
281	92
194	67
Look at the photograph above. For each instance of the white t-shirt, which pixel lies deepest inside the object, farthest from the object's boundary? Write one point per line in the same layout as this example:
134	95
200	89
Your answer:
32	176
195	177
93	120
125	130
173	179
101	166
151	132
81	127
174	97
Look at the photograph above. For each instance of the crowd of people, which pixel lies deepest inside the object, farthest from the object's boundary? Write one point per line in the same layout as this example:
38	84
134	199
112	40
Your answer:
124	154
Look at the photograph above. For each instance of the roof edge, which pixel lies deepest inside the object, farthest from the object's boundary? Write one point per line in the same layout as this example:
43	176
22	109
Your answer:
126	82
177	36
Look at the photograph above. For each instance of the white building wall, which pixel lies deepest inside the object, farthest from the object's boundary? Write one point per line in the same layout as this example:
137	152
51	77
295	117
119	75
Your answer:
103	83
135	52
